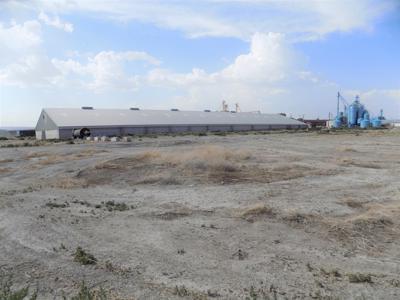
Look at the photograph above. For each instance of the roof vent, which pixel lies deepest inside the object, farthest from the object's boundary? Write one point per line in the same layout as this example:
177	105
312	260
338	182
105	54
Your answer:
207	110
134	108
87	107
174	109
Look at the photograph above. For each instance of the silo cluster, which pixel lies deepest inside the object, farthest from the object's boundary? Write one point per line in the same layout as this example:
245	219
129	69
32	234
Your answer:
356	115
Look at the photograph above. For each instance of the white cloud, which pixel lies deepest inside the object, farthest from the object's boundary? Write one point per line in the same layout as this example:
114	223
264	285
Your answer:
56	22
21	59
20	37
270	59
105	70
272	76
268	77
24	63
32	70
242	18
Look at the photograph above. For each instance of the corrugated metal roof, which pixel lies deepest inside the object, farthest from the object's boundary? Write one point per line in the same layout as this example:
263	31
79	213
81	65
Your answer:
76	117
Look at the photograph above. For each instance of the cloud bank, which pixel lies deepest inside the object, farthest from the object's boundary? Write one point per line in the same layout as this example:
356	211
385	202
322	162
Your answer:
270	76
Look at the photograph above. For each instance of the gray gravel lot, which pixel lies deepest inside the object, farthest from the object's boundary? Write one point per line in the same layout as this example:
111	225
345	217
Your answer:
258	216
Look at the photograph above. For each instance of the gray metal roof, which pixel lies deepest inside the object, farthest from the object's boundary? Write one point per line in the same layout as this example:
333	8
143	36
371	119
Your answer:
76	117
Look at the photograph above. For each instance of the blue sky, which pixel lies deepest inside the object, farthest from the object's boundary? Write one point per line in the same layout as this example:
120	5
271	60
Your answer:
273	56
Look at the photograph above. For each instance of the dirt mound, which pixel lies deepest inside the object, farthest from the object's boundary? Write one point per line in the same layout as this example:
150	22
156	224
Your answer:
366	230
255	212
377	224
43	159
207	164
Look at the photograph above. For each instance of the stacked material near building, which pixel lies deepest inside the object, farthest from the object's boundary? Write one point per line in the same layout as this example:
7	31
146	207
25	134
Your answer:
315	123
65	123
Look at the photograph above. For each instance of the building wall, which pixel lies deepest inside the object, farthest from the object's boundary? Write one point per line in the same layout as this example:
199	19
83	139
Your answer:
66	133
52	134
45	122
40	134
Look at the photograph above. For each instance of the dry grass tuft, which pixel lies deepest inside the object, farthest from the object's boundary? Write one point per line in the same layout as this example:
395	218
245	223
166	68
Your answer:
369	229
173	215
255	211
172	211
51	160
37	155
47	158
201	156
5	170
359	278
87	153
298	218
4	161
353	203
200	165
204	164
69	183
148	155
348	162
156	179
347	149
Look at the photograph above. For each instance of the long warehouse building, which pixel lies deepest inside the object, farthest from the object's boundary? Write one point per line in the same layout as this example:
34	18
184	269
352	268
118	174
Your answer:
61	123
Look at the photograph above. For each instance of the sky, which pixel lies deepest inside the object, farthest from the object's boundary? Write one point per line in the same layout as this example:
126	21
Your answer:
273	56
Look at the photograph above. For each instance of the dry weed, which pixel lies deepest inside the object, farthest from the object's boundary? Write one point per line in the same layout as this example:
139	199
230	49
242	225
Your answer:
69	183
88	153
206	164
255	211
298	218
348	162
347	149
353	203
52	159
46	158
4	170
4	161
156	179
37	155
369	229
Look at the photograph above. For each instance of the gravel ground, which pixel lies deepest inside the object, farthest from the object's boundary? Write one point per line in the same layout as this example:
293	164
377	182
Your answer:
256	216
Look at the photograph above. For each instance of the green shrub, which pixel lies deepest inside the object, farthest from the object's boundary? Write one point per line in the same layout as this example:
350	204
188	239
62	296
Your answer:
359	278
85	293
7	294
83	257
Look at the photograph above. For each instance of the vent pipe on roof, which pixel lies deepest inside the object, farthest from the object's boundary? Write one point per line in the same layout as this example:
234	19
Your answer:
87	107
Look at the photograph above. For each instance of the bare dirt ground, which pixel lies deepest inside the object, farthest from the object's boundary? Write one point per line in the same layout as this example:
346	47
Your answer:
243	216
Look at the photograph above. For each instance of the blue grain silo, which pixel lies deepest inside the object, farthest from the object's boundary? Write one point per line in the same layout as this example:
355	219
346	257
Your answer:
376	123
365	121
354	113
